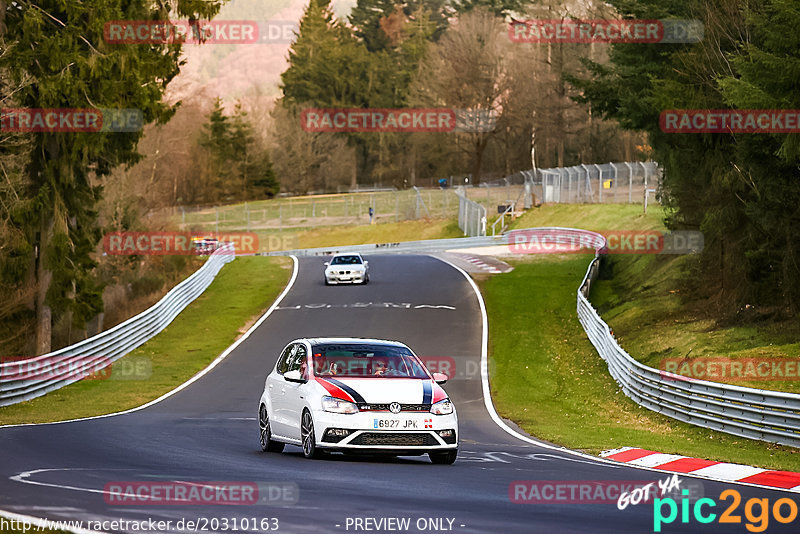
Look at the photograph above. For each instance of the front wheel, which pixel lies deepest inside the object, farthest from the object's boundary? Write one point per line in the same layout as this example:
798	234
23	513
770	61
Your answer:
308	437
267	443
443	457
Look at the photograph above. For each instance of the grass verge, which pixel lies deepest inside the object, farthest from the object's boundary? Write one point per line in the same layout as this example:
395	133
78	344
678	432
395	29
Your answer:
378	233
242	290
272	240
597	217
646	301
548	378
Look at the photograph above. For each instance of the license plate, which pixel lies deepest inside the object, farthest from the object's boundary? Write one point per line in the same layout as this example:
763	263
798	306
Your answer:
400	424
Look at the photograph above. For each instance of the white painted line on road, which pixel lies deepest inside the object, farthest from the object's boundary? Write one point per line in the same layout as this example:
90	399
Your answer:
487	397
499	421
199	375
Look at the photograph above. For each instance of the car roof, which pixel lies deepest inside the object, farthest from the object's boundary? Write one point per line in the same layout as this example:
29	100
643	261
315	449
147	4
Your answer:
346	254
353	341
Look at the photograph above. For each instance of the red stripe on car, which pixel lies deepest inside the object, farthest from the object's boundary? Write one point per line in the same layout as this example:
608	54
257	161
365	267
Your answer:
438	393
334	390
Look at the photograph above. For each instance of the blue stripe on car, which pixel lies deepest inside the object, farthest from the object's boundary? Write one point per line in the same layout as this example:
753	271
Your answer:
427	392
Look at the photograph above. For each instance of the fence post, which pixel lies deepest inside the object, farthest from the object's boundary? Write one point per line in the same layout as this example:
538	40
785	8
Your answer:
466	218
630	182
588	182
614	166
599	181
569	177
644	167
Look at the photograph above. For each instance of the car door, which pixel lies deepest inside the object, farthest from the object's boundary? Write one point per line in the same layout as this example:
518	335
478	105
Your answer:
294	392
276	391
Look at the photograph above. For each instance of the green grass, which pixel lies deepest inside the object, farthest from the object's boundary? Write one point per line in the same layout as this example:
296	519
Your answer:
276	240
549	379
378	233
296	217
644	299
597	217
241	292
344	209
656	319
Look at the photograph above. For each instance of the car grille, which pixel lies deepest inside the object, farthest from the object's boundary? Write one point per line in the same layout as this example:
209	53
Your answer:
367	407
402	439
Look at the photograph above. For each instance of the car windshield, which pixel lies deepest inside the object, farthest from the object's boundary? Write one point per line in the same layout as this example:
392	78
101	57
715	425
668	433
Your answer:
366	361
346	260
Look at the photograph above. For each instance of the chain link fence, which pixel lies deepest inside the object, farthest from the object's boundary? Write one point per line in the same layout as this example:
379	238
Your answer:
599	182
607	182
471	215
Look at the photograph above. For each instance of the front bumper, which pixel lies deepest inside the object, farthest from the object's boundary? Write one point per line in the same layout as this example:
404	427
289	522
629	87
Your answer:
415	433
352	278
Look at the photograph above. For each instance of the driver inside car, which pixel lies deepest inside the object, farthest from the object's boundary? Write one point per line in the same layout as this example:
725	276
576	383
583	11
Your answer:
379	368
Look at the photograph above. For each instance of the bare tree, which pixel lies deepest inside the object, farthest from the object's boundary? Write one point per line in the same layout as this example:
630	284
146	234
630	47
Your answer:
467	69
308	161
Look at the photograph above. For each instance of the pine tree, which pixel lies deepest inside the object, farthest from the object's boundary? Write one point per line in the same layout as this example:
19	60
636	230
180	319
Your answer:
56	55
215	138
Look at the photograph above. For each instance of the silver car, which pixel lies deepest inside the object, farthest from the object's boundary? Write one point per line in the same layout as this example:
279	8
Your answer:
349	268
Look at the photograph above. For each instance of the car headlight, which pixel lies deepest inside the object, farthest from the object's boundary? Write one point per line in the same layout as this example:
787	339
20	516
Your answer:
443	407
334	405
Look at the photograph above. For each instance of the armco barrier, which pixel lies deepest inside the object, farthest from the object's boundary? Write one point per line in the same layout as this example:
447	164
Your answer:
748	412
753	413
103	349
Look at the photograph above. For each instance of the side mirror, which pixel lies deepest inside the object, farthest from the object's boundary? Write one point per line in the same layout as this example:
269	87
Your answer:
366	263
327	263
294	376
440	378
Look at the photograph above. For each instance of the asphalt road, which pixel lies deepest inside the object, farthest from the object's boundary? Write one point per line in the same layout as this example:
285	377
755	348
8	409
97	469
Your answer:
208	432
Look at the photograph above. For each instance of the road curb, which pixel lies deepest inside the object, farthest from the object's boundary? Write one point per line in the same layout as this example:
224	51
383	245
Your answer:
721	471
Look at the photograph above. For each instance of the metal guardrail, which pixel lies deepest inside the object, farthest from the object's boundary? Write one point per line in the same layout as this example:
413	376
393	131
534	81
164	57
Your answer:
764	415
23	380
753	413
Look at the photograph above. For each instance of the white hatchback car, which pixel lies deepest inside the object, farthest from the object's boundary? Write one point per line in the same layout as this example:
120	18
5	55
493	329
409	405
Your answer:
347	268
354	395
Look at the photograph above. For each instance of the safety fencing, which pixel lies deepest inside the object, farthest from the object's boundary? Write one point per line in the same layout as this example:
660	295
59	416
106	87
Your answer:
765	415
471	215
22	380
597	182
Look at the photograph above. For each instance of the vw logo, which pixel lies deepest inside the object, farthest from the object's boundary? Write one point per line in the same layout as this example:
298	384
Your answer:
394	407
